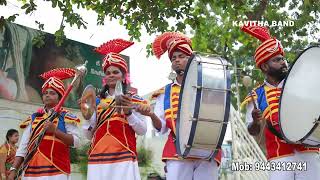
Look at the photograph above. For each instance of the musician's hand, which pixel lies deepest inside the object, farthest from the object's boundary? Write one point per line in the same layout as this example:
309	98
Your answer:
12	175
51	128
144	110
256	115
125	100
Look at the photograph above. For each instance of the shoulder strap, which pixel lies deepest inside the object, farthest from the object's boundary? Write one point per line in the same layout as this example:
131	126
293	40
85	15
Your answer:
273	130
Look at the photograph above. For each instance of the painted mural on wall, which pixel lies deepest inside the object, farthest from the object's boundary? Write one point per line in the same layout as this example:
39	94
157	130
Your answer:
21	63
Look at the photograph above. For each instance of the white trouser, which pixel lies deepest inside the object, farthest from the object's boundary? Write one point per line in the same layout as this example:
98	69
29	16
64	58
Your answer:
191	170
312	172
127	170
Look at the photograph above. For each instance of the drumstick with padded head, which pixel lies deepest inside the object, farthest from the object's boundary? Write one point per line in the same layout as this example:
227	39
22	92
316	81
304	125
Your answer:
253	101
260	135
247	82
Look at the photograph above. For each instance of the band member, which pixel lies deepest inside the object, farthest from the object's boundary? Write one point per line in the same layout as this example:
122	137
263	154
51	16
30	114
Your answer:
8	152
51	159
165	112
113	130
269	57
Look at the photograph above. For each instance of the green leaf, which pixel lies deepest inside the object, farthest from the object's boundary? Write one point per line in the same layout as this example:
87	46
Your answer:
54	3
38	41
3	2
12	18
25	6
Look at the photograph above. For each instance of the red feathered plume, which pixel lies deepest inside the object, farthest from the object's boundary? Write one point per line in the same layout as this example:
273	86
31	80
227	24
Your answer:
114	46
161	43
60	73
260	32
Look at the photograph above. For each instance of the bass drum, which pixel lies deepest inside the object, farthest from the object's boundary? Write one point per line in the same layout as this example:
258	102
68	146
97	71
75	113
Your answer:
204	106
300	100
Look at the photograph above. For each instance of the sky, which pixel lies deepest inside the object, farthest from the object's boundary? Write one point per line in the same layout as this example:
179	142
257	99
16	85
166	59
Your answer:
147	74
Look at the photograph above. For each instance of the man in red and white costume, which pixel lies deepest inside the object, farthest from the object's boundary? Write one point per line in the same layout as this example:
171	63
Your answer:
269	57
165	112
52	158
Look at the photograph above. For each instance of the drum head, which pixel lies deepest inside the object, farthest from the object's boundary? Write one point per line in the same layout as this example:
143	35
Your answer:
188	96
300	99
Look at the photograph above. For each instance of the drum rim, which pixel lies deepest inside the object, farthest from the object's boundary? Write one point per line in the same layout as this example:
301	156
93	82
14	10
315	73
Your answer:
196	111
281	95
198	97
227	108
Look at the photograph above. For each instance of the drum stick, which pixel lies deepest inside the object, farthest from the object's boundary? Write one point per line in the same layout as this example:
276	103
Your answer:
260	135
124	107
253	101
118	106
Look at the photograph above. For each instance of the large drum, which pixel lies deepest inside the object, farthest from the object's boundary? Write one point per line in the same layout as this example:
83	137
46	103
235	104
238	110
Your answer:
204	106
300	100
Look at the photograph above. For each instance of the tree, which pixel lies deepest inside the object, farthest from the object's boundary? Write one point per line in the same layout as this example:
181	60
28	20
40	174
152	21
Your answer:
212	22
134	14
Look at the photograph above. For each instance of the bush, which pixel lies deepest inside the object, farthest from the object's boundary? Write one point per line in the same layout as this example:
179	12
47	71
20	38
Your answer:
83	159
74	156
144	156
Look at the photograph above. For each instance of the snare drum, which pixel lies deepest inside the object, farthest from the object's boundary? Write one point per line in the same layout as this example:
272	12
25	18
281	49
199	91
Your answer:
204	106
300	100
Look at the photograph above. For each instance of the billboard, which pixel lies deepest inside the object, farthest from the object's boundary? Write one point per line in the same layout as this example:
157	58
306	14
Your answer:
21	63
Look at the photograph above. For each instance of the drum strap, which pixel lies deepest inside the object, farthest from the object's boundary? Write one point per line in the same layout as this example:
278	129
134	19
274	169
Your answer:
273	130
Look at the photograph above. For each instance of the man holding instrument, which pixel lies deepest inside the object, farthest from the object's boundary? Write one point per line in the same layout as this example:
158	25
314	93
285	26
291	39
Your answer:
165	112
263	105
51	159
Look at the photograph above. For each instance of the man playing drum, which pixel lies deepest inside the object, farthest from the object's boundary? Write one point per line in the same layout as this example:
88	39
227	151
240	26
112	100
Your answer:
166	108
263	105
